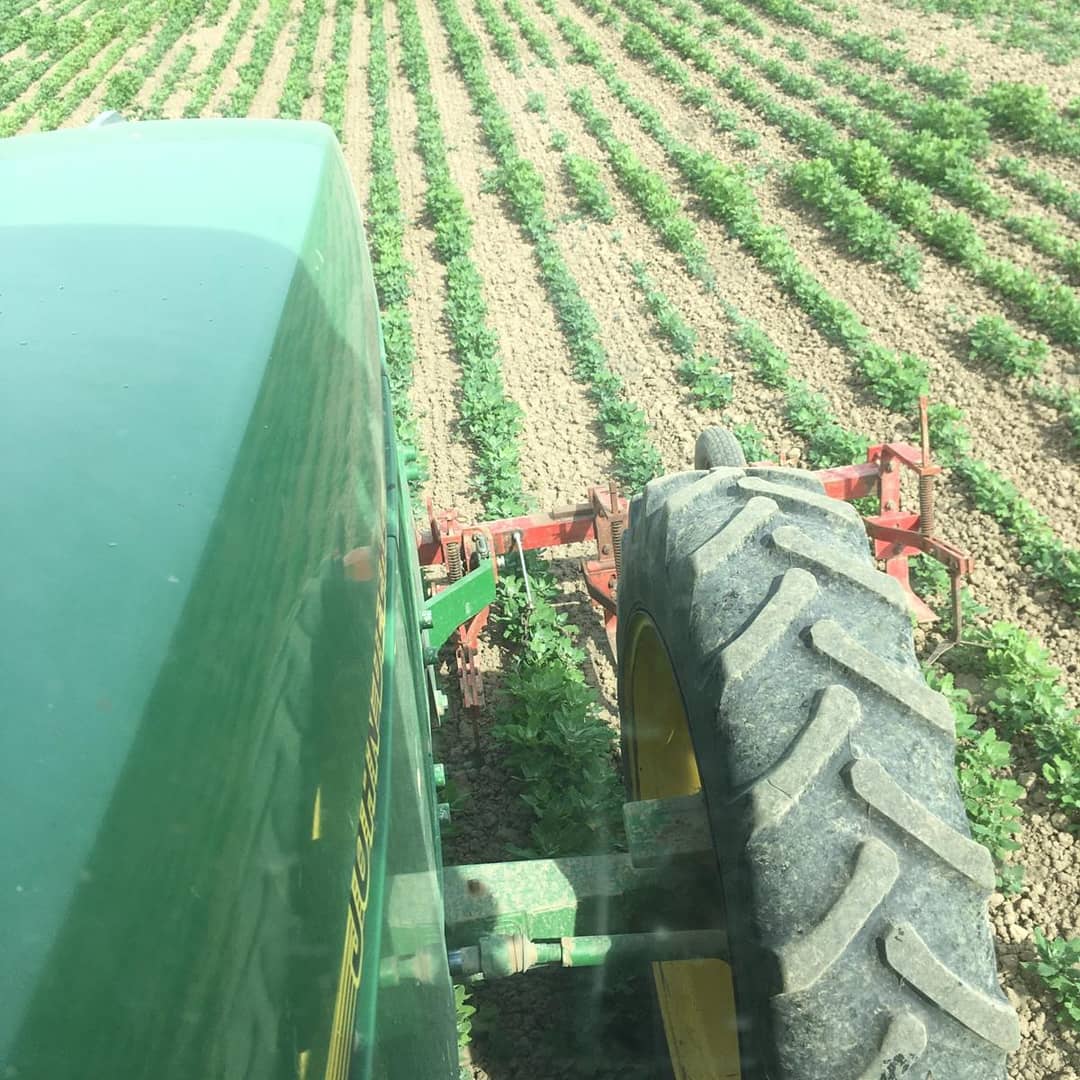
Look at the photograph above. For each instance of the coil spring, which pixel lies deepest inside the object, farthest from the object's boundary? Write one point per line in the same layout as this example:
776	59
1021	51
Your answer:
926	505
453	560
616	544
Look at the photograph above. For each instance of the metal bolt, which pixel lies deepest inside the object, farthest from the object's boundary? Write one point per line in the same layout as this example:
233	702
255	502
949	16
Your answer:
443	813
439	772
431	656
427	620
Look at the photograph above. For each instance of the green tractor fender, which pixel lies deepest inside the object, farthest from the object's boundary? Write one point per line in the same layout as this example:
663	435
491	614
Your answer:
215	743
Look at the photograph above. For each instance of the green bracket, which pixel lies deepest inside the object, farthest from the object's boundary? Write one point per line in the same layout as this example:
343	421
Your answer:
447	610
575	895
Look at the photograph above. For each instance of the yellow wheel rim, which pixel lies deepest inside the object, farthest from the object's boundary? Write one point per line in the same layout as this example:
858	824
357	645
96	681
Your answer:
696	997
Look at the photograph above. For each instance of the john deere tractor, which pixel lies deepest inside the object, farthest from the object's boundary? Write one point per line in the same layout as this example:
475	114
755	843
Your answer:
220	838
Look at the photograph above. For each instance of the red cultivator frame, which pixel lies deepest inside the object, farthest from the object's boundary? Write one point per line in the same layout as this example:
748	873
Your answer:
897	534
603	519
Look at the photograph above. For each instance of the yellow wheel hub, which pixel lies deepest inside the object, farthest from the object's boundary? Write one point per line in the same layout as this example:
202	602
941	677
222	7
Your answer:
696	997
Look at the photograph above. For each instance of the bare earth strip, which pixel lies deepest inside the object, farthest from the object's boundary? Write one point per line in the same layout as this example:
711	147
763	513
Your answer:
230	79
313	105
265	102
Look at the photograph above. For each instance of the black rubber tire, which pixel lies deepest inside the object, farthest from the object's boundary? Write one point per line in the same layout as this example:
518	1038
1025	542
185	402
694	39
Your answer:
717	447
856	900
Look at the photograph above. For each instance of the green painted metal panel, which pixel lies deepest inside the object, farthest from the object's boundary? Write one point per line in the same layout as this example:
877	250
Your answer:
192	437
447	610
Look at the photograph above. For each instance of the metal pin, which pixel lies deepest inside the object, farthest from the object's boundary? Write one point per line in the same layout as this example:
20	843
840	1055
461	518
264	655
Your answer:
524	571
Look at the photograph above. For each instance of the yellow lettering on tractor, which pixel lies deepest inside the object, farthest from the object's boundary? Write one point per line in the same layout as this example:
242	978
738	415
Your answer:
352	956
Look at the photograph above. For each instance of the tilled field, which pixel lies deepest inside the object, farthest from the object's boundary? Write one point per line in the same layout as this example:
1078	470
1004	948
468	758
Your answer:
788	218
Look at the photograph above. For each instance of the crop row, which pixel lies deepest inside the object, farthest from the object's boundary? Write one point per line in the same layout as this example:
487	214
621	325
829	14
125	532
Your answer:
647	190
137	26
124	86
1018	111
895	379
56	38
220	58
969	126
23	22
590	193
251	72
298	88
1048	189
103	29
385	229
336	80
623	425
711	389
169	82
555	740
490	420
534	37
501	35
936	162
853	160
954	83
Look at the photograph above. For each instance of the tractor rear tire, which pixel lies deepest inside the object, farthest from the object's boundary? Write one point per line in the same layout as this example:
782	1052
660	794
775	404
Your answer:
855	900
717	447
